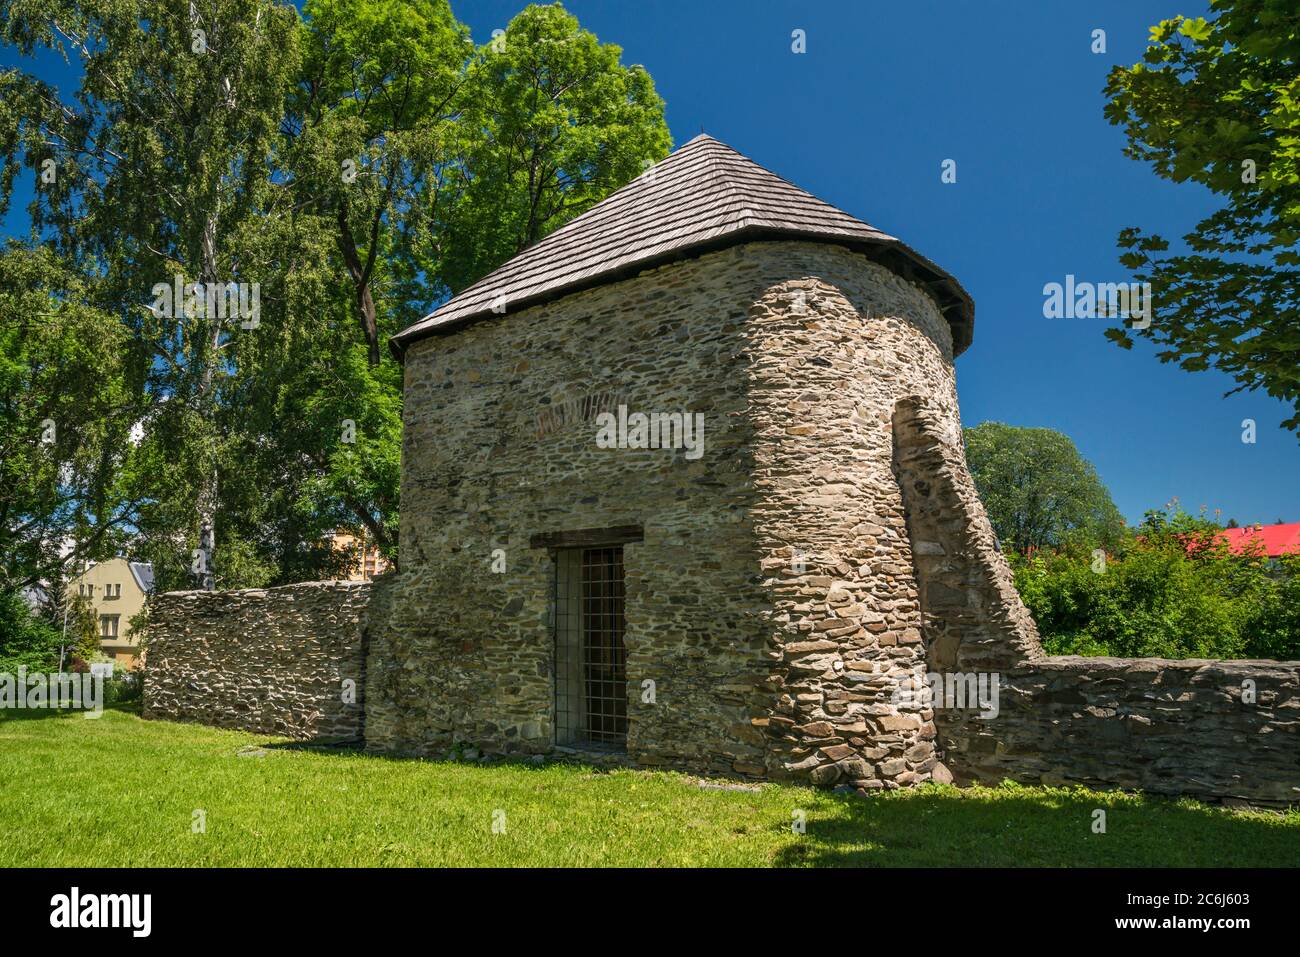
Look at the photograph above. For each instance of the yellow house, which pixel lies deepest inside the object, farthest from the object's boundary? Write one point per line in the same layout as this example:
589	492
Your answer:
370	564
116	590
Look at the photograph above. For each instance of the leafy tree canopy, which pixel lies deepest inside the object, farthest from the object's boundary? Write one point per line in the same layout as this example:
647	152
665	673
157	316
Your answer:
1217	102
26	639
1172	589
354	164
554	123
64	421
1037	489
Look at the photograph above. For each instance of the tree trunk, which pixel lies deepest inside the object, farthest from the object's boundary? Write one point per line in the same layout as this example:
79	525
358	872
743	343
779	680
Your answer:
361	282
207	497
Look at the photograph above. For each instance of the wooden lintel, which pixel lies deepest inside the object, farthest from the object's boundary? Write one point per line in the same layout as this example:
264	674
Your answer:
588	537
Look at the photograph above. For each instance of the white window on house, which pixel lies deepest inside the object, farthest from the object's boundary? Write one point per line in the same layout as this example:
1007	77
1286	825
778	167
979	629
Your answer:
108	626
113	591
590	656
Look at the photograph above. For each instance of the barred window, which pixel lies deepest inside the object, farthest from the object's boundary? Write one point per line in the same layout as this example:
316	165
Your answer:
590	655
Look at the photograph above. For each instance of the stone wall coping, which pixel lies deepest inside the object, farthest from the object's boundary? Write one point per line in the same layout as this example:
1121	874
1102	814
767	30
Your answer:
247	592
1108	664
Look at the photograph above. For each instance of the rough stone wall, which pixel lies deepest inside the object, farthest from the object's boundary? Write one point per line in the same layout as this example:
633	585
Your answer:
771	601
795	586
973	618
1210	729
499	445
1168	727
270	660
834	350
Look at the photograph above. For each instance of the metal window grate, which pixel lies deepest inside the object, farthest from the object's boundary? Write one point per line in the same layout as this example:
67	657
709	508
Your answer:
590	656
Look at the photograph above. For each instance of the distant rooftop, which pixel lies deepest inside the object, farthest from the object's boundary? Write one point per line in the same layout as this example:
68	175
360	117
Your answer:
703	197
143	574
1276	539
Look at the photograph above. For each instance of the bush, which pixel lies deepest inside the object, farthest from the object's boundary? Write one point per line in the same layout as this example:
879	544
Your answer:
1274	632
26	640
1173	589
124	686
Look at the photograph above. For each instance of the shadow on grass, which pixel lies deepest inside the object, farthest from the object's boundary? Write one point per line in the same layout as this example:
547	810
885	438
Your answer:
316	747
42	714
356	747
1006	826
1012	826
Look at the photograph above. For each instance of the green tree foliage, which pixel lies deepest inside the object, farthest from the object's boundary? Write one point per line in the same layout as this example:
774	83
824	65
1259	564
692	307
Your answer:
160	172
368	134
1174	589
552	124
357	163
1217	102
64	420
1038	490
371	133
26	639
1274	631
82	638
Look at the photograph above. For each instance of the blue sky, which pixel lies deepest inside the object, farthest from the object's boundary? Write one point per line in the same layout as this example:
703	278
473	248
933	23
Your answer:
1012	92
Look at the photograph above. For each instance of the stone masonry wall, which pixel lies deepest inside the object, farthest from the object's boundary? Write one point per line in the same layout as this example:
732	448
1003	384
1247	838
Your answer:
833	348
499	447
270	660
771	602
1210	729
794	588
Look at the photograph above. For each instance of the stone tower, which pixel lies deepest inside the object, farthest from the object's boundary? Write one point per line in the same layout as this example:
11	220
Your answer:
766	601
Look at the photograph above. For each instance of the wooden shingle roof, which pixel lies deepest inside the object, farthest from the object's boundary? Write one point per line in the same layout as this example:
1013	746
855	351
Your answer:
703	197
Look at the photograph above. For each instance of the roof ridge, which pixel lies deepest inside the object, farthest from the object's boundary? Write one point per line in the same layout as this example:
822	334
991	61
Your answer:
621	193
557	243
704	195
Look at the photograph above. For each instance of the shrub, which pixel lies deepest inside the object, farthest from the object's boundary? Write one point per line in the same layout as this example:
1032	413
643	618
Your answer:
1172	589
1274	630
26	640
123	687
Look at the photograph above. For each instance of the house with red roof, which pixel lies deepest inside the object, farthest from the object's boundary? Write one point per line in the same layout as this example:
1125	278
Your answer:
1277	540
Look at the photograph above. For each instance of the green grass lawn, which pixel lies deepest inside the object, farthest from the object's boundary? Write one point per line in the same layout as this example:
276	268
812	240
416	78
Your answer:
120	791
